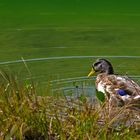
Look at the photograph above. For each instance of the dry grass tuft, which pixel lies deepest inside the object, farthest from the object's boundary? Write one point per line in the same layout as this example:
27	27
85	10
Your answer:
24	115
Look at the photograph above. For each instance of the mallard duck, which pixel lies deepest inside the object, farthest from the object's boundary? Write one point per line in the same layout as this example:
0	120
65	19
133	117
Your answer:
118	89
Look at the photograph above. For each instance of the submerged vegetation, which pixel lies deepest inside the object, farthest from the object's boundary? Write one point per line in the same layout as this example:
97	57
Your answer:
24	115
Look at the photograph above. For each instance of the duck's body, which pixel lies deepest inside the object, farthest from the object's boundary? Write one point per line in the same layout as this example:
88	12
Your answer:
118	89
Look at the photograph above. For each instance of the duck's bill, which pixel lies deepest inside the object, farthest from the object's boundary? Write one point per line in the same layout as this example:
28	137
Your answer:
91	72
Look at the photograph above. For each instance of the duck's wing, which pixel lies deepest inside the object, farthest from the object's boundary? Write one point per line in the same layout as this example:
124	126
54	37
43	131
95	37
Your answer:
118	89
115	84
124	85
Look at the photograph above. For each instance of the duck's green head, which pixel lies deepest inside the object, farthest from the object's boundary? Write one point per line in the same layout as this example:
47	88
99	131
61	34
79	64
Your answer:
101	66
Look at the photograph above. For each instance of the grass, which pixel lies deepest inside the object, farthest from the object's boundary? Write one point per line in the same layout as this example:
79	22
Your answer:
24	115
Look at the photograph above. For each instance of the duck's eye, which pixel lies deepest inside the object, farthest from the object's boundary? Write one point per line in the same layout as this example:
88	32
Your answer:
97	63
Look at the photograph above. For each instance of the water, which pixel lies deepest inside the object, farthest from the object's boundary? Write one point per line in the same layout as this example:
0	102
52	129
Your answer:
64	73
74	87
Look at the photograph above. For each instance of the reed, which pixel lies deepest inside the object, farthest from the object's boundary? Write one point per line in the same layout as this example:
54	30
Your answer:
24	116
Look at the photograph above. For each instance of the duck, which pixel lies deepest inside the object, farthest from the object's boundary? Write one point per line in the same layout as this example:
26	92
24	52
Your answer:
118	90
